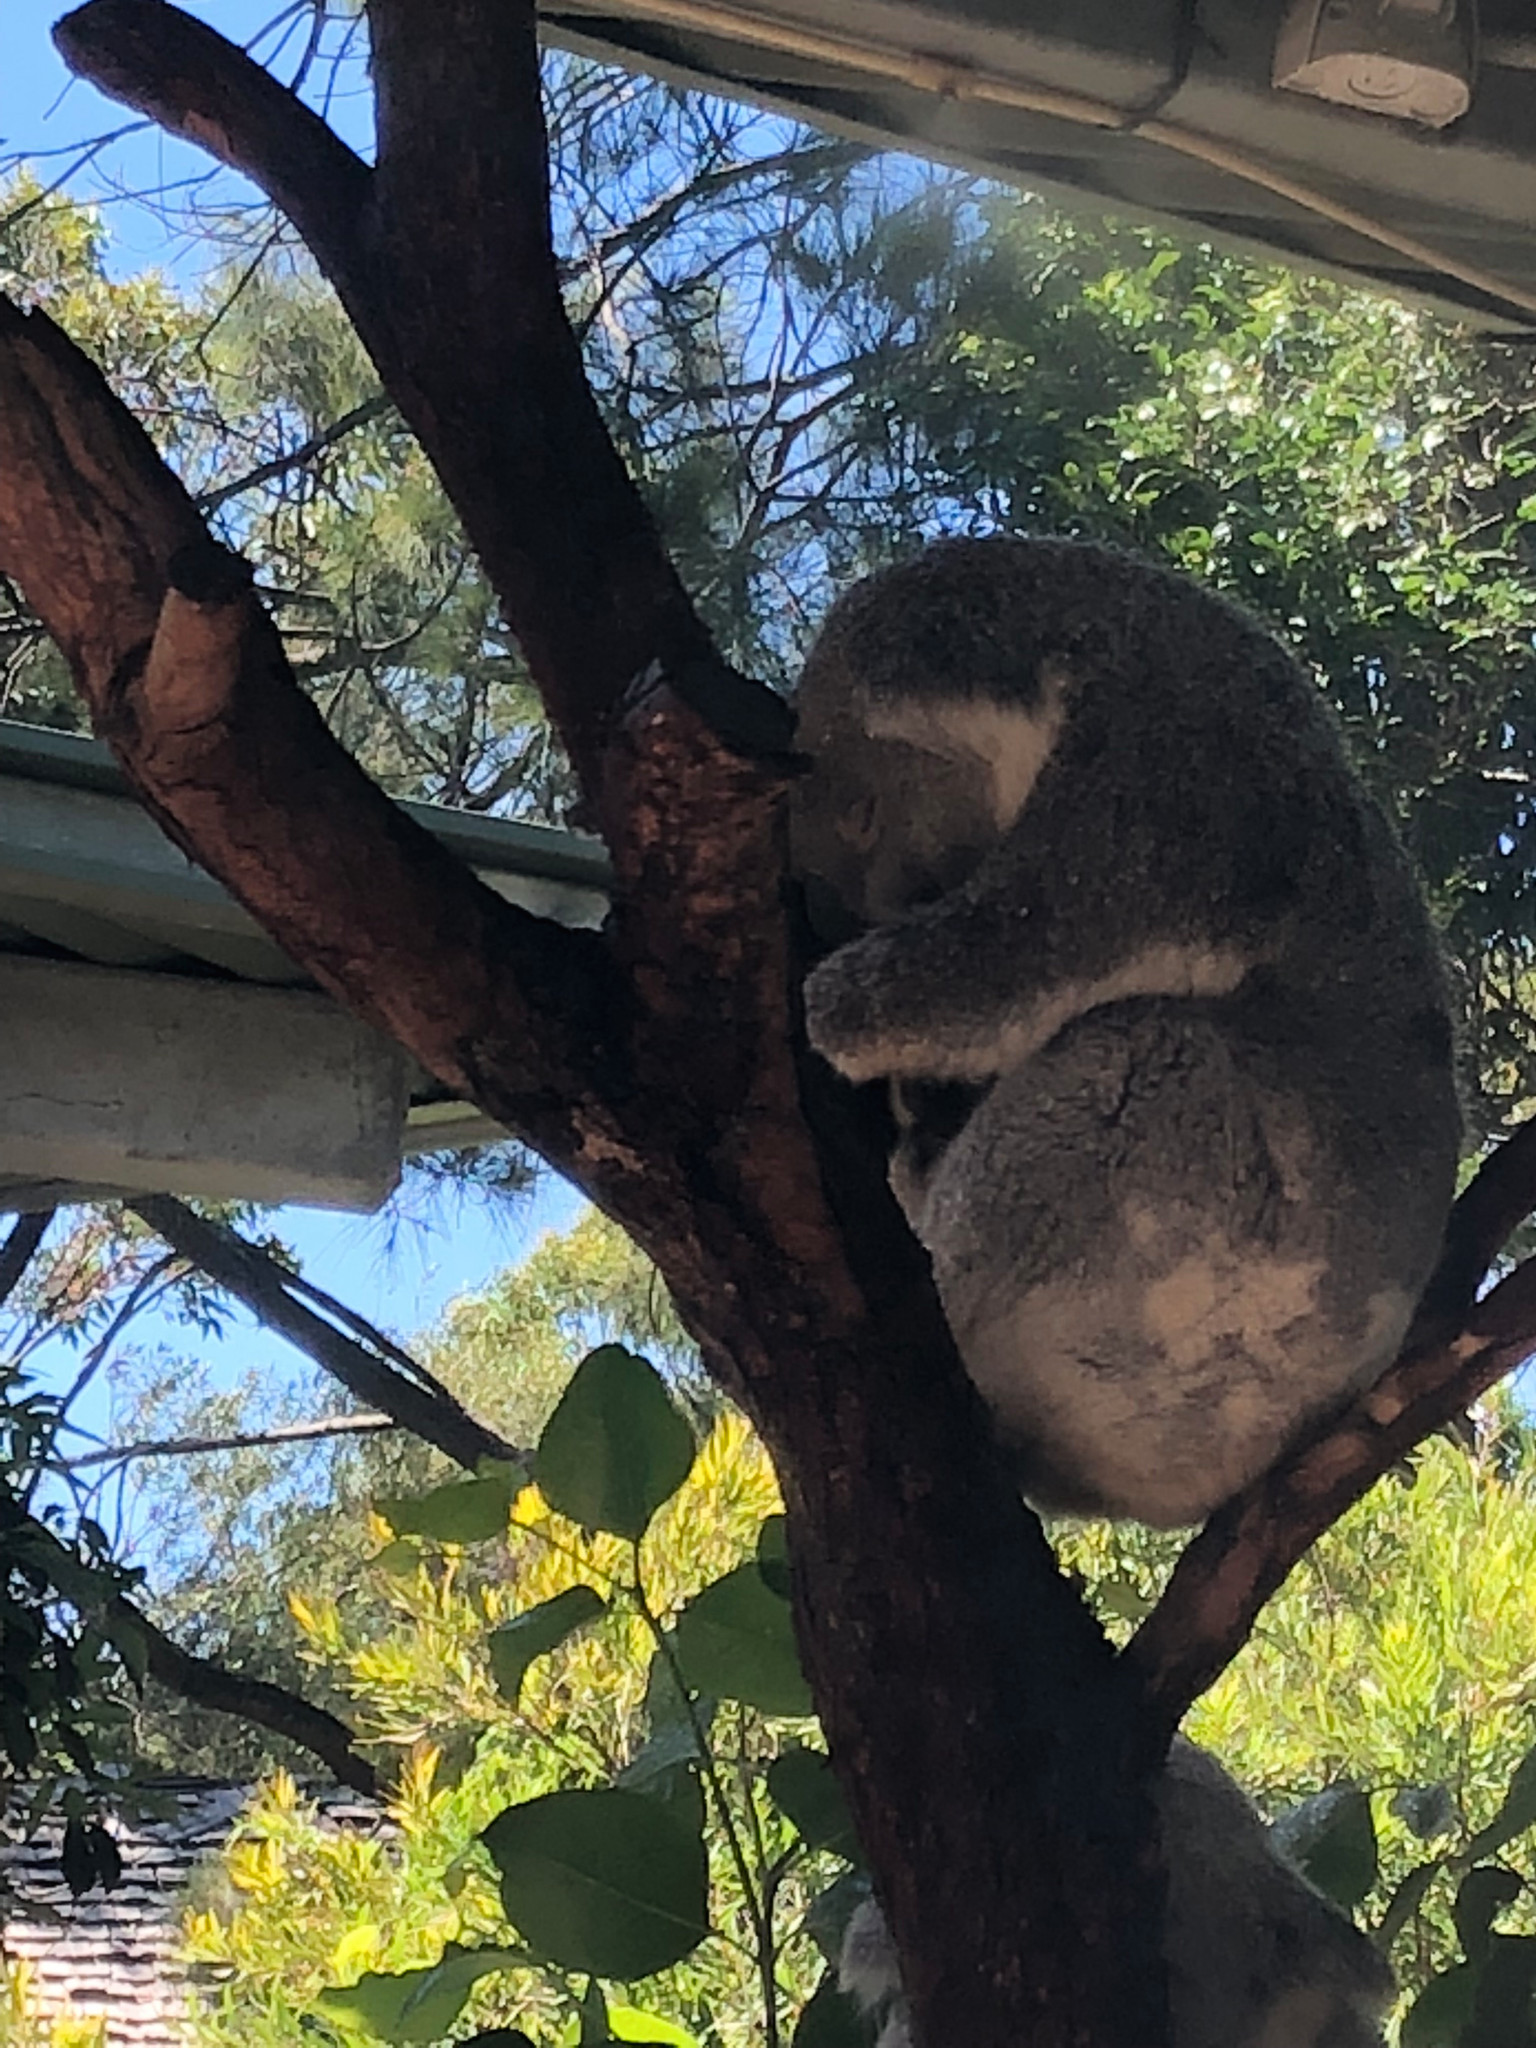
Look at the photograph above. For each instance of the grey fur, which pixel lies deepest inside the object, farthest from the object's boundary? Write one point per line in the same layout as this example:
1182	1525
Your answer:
1157	997
1256	1957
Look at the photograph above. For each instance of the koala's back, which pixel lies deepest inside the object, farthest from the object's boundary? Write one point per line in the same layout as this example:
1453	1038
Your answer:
1120	894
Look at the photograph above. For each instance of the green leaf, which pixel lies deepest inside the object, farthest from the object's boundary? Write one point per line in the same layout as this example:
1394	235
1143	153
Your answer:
463	1511
802	1785
399	1559
1502	2015
628	2023
415	2005
1482	1893
1332	1838
832	2020
513	1646
1442	2009
773	1554
616	1447
1515	1815
666	1769
735	1641
603	1881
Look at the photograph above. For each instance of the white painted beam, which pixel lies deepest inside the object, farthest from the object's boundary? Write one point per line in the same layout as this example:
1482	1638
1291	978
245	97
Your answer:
156	1083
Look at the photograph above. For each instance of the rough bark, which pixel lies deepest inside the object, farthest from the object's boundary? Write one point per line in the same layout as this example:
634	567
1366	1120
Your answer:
994	1752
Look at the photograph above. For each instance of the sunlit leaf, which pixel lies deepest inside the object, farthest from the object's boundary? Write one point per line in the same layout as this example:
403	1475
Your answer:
616	1447
463	1511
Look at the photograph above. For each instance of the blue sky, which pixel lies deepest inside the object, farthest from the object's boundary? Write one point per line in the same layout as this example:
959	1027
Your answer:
401	1268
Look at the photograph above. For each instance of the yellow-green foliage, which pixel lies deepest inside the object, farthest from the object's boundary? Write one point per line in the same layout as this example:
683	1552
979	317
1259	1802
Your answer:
22	2027
1401	1652
311	1907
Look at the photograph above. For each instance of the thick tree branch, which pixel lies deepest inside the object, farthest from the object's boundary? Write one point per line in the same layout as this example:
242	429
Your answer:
196	697
255	1277
469	334
22	1240
1457	1349
206	1684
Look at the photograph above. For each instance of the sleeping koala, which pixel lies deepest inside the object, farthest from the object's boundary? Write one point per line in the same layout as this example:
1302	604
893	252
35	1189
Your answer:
1256	1957
1156	996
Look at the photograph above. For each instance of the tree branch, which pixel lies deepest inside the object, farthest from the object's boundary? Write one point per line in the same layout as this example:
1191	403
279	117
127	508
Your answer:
191	687
295	458
206	1684
255	1277
1457	1349
240	1440
22	1240
469	336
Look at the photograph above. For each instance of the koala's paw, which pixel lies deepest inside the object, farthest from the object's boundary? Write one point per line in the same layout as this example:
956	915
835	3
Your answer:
847	1009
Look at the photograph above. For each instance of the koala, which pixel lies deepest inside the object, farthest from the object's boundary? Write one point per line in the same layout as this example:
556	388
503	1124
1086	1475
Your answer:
1156	998
1256	1957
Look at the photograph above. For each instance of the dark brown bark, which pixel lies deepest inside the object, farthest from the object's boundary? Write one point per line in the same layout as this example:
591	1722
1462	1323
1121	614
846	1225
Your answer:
21	1241
206	1684
994	1752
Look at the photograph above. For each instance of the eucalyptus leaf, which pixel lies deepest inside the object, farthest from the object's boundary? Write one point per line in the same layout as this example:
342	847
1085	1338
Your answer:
513	1647
603	1881
1516	1812
616	1447
1482	1893
1332	1839
415	2005
735	1641
1442	2009
463	1511
831	2020
803	1787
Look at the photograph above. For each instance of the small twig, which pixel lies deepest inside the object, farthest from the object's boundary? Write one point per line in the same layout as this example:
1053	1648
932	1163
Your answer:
295	458
259	1439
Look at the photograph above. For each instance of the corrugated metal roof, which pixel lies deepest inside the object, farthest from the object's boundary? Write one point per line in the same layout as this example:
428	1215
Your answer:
86	875
1161	111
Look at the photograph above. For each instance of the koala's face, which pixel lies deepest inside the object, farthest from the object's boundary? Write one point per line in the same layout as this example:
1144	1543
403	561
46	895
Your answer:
878	826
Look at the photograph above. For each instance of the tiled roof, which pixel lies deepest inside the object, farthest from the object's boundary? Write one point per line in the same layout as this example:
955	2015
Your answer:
117	1955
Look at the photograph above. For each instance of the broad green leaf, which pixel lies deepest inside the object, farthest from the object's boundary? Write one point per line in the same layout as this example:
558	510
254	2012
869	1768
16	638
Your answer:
735	1641
415	2005
603	1881
1516	1813
773	1554
1332	1837
802	1785
463	1511
1482	1893
831	2020
399	1559
666	1770
513	1646
616	1447
1502	2015
1442	2009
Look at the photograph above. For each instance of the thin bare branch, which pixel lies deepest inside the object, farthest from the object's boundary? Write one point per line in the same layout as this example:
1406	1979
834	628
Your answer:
296	458
255	1277
237	1440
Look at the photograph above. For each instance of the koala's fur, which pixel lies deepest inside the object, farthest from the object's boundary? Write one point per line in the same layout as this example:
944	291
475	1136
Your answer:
1256	1957
1158	1000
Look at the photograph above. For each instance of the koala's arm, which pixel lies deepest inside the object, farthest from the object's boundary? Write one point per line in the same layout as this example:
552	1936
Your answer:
969	986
